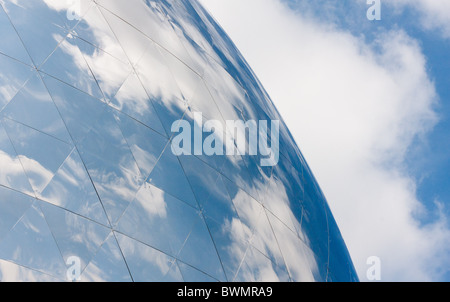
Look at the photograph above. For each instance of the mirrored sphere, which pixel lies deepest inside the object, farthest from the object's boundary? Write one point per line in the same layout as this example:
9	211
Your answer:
90	186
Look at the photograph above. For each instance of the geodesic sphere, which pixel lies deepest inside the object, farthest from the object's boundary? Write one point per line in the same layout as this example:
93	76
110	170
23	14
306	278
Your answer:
90	186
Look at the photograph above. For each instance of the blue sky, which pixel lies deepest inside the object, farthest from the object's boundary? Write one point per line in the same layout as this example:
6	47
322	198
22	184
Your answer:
369	105
430	160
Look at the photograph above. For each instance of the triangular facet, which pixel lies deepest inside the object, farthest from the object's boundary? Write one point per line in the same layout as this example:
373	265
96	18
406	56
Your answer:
94	29
37	24
169	176
158	81
200	251
76	71
257	229
12	174
145	144
235	169
75	236
202	101
11	272
132	99
106	140
111	165
34	107
108	265
229	243
30	243
191	274
14	75
110	73
147	264
72	189
115	186
151	20
10	43
185	77
299	260
208	189
41	155
258	268
216	162
79	110
158	220
12	206
124	33
170	113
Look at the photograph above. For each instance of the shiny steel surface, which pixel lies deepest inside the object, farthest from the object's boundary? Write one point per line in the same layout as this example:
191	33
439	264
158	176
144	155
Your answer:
88	93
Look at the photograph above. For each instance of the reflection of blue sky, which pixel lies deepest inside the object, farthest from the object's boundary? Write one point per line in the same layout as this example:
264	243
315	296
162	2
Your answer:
103	163
30	244
10	272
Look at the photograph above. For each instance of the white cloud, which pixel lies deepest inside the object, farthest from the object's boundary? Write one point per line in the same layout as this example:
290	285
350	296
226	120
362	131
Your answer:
434	14
354	110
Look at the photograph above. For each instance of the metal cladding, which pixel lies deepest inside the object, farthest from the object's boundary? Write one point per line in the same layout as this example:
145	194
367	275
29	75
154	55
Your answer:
90	189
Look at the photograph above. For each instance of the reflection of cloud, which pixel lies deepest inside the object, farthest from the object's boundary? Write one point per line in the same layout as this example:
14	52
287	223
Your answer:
143	157
300	260
73	51
15	2
80	6
153	202
96	273
107	61
111	73
132	95
59	5
277	201
284	246
112	183
74	173
107	265
13	173
11	168
138	254
6	91
38	174
72	189
258	268
157	79
252	266
10	272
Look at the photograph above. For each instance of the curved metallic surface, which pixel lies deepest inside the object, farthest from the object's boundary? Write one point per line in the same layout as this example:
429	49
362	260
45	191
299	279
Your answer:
89	186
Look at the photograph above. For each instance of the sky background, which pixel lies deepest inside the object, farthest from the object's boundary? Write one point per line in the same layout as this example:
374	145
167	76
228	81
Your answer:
368	103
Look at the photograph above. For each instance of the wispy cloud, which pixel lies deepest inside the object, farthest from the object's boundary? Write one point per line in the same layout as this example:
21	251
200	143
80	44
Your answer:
433	14
354	109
